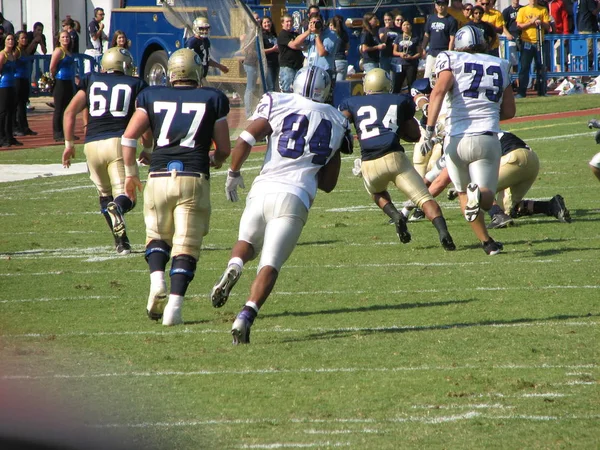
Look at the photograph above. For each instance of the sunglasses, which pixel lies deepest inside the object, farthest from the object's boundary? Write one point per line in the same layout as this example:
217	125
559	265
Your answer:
484	4
399	20
468	9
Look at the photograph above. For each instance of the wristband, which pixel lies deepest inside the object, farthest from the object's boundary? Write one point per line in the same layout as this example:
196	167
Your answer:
126	142
248	138
430	128
131	171
234	173
69	144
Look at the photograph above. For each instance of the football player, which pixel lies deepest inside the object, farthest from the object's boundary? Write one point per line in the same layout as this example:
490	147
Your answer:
303	138
381	119
200	43
184	121
479	94
595	161
109	98
519	167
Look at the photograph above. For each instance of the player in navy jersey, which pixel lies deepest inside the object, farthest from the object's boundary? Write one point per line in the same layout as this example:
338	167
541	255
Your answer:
200	43
184	122
381	119
110	101
303	138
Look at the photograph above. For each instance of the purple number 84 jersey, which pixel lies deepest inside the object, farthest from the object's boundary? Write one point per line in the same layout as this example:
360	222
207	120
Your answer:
305	136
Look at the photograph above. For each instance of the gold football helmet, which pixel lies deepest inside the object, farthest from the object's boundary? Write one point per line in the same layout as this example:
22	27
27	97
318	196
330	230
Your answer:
117	59
184	65
201	26
377	81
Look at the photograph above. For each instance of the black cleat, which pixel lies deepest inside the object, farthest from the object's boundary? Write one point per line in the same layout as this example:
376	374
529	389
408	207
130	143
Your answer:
500	220
402	230
559	210
117	219
447	243
492	247
123	246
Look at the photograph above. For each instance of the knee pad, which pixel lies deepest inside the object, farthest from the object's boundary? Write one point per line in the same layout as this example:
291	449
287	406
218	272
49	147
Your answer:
104	201
125	203
184	265
157	255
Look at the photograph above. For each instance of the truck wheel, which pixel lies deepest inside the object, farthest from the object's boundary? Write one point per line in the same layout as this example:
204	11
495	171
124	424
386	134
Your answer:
155	72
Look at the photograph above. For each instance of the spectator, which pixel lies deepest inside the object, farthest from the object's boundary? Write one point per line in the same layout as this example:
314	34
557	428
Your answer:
467	11
407	53
489	33
250	67
69	25
120	40
312	9
559	13
8	26
96	37
387	35
587	22
62	70
7	92
336	24
200	43
510	20
440	29
22	85
290	53
529	19
2	37
370	45
269	36
456	10
495	18
36	38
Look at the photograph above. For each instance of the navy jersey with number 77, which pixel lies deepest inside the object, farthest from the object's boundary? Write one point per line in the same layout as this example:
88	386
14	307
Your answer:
377	118
182	120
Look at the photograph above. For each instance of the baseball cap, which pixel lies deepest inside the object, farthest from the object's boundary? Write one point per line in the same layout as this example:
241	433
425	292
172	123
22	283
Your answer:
441	2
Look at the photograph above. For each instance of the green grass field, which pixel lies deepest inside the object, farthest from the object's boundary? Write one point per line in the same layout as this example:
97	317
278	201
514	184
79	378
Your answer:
364	343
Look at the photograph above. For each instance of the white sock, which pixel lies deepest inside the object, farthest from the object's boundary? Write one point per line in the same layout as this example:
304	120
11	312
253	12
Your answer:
157	278
252	305
172	313
237	261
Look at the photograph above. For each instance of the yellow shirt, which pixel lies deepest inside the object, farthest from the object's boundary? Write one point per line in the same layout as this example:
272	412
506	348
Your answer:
527	14
494	17
458	15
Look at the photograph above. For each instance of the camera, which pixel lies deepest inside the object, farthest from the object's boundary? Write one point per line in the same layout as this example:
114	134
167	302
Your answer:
318	25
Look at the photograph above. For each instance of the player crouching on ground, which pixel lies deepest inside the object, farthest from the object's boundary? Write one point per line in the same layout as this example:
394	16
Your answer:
185	121
303	139
381	119
110	101
478	90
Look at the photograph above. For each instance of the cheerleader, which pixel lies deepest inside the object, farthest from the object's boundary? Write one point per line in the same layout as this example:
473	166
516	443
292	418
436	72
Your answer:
7	92
62	69
22	77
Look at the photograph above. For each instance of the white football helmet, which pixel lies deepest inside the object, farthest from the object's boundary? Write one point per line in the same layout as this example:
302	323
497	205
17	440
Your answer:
377	81
117	59
313	83
184	65
201	27
469	39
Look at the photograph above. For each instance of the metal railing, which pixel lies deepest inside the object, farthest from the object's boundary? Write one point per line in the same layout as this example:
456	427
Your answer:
40	68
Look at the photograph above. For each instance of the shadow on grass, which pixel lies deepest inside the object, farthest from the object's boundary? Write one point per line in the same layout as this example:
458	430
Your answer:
371	308
342	333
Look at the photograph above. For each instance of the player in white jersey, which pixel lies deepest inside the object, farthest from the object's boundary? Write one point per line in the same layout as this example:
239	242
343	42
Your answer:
303	139
479	94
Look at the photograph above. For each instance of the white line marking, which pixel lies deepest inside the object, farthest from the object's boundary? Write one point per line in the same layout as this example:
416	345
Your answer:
324	370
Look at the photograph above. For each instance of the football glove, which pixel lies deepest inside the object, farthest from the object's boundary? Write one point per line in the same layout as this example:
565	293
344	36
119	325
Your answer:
428	140
234	180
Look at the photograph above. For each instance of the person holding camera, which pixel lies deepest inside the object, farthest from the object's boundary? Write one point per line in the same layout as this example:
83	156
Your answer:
321	44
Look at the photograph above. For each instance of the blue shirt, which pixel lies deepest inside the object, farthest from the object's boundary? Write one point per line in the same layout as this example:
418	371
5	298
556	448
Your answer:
330	41
66	69
7	76
439	30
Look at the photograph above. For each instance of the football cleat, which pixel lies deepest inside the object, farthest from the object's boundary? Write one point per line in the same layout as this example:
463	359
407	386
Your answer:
241	329
473	198
402	230
220	291
157	301
122	245
447	243
500	220
172	312
593	123
452	194
117	219
559	210
492	247
417	215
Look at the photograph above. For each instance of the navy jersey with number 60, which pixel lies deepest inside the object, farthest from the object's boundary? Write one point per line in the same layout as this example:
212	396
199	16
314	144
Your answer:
182	120
110	102
376	118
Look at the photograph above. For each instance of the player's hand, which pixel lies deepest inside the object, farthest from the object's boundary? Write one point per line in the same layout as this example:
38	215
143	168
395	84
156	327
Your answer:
67	155
213	161
132	185
144	158
428	140
234	180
